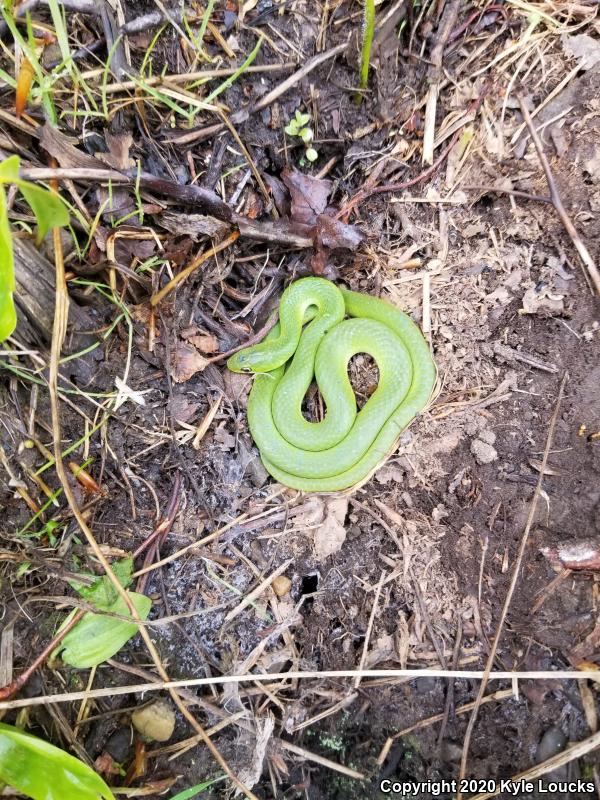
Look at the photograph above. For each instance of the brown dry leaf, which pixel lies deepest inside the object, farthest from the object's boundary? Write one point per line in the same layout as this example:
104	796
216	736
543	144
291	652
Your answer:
187	361
542	299
206	343
384	649
332	233
63	149
309	195
194	225
118	155
331	534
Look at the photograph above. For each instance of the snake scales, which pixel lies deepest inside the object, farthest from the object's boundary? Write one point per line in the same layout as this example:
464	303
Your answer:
320	328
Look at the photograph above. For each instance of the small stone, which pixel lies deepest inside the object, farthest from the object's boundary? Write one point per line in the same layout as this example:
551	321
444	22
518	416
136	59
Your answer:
156	721
281	585
484	453
426	684
119	745
488	436
552	742
450	751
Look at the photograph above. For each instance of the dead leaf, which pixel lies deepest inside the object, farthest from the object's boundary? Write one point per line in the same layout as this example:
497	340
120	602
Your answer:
63	149
309	195
118	151
187	361
280	195
583	47
205	343
384	649
194	225
540	298
333	233
331	534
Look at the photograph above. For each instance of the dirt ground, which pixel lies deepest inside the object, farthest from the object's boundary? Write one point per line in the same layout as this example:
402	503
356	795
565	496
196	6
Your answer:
473	251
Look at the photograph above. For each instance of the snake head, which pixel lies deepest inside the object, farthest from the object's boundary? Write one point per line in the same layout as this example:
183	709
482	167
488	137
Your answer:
241	362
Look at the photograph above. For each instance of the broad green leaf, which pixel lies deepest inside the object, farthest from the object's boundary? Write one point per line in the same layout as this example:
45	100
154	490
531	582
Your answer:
49	209
8	317
98	637
9	169
102	593
311	154
41	771
306	135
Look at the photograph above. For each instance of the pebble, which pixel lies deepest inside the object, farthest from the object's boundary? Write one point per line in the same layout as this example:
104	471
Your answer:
488	436
426	684
484	453
552	742
119	744
281	585
155	721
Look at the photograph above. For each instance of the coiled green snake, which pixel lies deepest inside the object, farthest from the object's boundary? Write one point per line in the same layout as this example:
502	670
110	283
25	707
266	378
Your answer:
313	338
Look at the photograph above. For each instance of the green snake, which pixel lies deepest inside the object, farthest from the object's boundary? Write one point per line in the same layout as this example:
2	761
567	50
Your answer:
320	328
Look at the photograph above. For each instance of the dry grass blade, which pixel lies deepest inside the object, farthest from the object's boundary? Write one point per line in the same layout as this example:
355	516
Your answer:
513	583
397	674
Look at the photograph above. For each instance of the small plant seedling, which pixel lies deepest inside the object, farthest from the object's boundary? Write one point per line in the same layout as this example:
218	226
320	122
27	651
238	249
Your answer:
299	126
368	31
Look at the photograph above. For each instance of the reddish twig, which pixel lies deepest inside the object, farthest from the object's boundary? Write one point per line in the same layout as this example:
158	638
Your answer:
160	533
8	691
476	15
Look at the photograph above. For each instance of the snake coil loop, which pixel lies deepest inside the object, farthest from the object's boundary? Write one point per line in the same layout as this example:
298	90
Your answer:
320	328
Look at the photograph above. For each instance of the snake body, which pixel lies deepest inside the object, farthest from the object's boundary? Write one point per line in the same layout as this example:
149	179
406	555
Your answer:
320	328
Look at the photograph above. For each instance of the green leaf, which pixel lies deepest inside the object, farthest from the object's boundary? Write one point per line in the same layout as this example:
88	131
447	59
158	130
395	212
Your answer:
8	316
312	154
302	119
49	209
306	135
41	771
291	128
98	637
102	593
194	791
9	169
